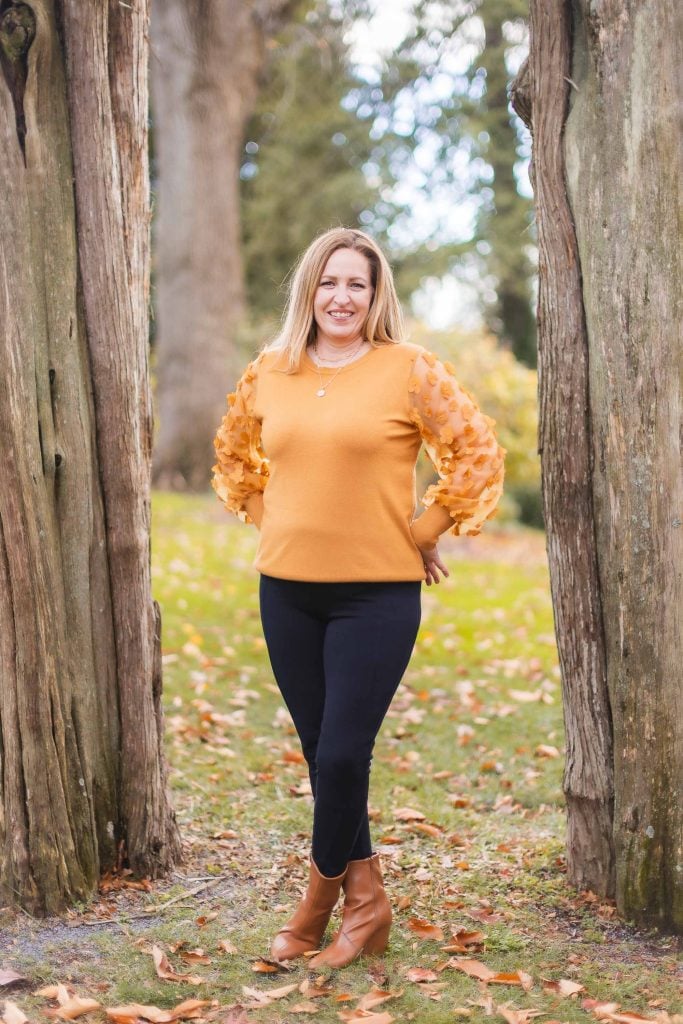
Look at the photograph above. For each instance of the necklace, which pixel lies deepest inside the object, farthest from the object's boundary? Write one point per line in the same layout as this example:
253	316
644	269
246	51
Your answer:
343	358
320	393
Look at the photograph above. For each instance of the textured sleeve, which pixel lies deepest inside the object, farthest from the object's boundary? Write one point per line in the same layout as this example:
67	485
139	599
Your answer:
462	446
241	471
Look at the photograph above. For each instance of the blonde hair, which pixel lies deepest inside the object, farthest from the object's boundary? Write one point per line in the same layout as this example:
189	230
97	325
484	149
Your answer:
384	324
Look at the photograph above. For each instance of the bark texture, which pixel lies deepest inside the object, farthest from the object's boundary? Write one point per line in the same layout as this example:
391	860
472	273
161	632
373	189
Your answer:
81	767
607	173
623	156
565	446
206	60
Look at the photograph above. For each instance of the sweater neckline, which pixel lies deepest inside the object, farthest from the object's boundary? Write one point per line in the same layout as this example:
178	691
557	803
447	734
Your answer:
314	368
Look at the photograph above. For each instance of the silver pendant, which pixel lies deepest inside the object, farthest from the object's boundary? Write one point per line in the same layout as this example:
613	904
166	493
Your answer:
320	393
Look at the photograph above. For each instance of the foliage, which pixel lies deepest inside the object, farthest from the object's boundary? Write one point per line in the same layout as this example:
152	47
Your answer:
506	390
304	153
441	116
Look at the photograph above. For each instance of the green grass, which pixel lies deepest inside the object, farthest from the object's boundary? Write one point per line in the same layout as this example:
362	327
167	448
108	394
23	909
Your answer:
458	745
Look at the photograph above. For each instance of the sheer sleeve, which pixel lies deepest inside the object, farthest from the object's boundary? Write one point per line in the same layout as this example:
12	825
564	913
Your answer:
462	446
241	472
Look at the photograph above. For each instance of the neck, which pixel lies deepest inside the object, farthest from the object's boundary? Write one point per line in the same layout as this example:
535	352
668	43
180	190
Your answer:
337	346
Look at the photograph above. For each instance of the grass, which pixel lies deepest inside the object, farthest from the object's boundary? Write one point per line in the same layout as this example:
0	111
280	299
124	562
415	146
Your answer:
473	742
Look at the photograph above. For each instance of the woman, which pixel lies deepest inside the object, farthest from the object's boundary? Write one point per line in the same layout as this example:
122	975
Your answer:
318	449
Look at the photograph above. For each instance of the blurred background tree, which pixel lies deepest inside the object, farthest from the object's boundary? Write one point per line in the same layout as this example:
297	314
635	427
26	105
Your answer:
418	148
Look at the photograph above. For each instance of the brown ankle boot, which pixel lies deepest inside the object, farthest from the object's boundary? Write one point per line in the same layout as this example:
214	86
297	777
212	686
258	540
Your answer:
367	916
306	927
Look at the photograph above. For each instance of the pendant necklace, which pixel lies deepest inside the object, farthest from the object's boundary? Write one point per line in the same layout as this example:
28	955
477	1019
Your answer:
320	393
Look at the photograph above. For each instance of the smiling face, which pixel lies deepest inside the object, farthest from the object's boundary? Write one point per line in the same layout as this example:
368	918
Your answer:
343	297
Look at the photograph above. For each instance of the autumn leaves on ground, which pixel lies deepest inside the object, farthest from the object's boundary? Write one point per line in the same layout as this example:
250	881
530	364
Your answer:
466	808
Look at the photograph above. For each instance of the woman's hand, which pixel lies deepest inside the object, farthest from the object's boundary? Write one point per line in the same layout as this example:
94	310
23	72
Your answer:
433	564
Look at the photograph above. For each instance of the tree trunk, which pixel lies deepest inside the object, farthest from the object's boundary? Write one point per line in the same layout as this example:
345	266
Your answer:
81	766
207	56
622	148
610	418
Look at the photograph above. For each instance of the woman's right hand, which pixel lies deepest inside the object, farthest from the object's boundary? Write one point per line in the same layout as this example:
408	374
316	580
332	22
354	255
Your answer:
431	559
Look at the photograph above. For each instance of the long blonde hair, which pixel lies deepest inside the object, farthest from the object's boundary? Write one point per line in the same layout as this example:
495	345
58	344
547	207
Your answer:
384	324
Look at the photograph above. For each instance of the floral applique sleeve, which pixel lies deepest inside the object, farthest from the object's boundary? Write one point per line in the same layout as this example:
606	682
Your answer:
462	446
241	472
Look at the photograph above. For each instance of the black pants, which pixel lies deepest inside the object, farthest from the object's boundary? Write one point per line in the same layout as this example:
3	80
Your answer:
338	652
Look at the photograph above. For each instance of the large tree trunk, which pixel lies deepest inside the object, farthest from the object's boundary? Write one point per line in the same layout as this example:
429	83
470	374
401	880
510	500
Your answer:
609	346
81	766
207	56
622	146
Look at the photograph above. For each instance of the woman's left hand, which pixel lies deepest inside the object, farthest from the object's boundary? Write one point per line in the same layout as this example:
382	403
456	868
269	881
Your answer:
432	564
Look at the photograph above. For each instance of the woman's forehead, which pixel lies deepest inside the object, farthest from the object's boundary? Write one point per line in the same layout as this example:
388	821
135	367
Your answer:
347	263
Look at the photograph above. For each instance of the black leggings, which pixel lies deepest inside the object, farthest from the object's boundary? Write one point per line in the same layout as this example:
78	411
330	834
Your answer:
338	652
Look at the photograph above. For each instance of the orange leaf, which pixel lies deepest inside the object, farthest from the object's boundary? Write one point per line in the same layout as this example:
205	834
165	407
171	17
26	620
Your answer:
74	1007
12	1014
429	830
518	1016
376	996
134	1011
293	757
265	967
195	956
425	930
408	814
421	974
562	988
543	750
167	973
473	968
362	1017
226	946
513	978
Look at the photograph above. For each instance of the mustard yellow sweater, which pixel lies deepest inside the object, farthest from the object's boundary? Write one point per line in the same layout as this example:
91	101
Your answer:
330	481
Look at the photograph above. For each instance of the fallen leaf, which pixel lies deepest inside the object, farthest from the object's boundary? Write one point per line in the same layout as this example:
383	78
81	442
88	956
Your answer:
189	1009
306	1007
562	988
135	1011
195	956
543	750
205	918
513	978
429	830
425	930
9	977
53	992
421	974
73	1007
408	814
485	915
362	1017
473	968
462	940
12	1014
265	967
167	973
513	1016
376	996
611	1012
263	997
226	946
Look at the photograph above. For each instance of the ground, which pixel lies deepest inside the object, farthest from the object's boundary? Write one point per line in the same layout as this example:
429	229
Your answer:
466	807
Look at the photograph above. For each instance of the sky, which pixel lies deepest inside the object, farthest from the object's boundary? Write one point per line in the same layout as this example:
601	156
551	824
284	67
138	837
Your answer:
446	302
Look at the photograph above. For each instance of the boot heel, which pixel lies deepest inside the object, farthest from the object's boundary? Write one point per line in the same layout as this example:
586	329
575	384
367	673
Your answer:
378	941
